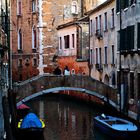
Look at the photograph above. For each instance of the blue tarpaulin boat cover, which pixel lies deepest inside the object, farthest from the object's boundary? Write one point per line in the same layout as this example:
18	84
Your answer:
31	120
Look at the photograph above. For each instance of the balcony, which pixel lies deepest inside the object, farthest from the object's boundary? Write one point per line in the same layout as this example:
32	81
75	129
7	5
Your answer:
98	34
99	67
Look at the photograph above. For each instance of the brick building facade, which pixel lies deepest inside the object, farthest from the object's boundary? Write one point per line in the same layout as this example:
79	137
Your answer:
34	37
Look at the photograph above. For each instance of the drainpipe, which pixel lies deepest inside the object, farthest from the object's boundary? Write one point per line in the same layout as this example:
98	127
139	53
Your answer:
40	28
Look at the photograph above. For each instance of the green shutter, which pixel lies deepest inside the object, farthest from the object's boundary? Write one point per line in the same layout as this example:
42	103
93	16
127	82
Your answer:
117	6
123	40
130	38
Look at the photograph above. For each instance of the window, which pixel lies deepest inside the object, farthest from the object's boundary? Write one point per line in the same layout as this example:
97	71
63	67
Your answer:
112	18
2	17
100	56
19	40
96	19
34	38
91	27
113	79
117	6
113	59
132	84
106	54
127	38
18	7
60	43
27	62
132	2
66	41
130	38
105	21
100	22
34	62
124	4
74	8
20	62
91	57
73	41
96	55
33	5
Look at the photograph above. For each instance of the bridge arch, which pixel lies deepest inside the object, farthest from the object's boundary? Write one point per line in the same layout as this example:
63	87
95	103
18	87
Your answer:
50	84
57	89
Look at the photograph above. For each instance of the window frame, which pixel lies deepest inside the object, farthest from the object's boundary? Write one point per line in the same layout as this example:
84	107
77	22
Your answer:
19	7
112	18
105	55
105	22
34	38
74	7
33	6
20	41
67	41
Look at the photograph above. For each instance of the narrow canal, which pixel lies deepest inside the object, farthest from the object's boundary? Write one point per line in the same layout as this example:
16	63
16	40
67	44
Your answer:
67	119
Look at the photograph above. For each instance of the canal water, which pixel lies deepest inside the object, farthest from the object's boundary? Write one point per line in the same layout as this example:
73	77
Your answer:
67	118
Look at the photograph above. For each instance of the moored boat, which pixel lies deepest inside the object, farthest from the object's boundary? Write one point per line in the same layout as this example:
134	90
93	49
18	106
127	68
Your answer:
116	127
30	126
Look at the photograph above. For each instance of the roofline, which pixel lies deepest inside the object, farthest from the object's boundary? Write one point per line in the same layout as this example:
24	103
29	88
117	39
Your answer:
77	21
99	7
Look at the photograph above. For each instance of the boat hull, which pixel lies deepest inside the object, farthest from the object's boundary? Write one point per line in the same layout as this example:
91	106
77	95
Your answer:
113	133
30	133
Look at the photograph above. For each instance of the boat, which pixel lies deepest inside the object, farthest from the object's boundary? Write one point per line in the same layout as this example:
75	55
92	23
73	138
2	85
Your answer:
22	111
30	126
116	127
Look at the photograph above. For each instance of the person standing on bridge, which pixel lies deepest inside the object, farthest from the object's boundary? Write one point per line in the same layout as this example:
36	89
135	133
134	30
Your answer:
66	71
57	71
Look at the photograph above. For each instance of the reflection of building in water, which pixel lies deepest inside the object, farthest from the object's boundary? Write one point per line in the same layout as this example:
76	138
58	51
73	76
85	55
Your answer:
72	122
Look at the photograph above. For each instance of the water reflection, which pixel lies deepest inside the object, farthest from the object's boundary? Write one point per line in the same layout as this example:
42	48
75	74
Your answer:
66	119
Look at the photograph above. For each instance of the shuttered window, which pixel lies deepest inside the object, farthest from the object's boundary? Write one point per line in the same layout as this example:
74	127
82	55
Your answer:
127	38
117	6
124	4
123	39
130	37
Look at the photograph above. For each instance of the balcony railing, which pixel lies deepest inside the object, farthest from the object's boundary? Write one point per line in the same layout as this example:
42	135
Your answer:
99	67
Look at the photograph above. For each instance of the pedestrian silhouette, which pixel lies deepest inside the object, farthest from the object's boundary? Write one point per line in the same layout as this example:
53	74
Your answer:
66	71
57	71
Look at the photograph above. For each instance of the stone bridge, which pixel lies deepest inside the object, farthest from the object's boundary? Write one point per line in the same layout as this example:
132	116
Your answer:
81	84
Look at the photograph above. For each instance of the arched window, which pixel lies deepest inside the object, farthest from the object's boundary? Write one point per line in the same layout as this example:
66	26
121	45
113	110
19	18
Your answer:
19	62
33	5
73	71
18	7
34	38
106	79
74	8
19	40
